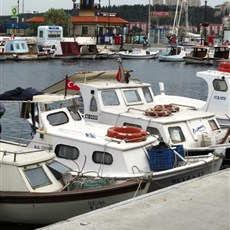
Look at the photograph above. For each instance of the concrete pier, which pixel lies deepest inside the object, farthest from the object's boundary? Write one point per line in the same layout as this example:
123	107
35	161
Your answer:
201	204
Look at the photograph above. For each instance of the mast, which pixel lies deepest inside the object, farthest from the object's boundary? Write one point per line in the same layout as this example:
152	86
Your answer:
149	22
175	18
186	16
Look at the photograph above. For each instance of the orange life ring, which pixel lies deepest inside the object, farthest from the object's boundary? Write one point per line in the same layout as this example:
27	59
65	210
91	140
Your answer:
221	69
224	67
127	133
224	64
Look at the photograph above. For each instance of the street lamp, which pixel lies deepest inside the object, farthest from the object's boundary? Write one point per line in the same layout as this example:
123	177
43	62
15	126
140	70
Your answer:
109	19
18	17
205	24
74	4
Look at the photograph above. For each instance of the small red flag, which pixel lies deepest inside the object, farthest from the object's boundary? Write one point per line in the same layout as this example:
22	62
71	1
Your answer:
71	85
119	74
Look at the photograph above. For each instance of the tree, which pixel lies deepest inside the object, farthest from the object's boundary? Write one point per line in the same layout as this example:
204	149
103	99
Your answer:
57	17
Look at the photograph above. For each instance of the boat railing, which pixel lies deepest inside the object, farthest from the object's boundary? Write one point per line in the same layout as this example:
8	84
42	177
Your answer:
141	110
20	142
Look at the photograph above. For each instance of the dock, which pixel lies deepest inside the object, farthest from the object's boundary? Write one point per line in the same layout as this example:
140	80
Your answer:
202	203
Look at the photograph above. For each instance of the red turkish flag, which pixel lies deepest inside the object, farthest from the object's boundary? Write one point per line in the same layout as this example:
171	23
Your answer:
71	85
119	74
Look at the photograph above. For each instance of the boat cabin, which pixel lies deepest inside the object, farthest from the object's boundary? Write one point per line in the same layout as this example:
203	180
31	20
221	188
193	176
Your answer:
218	99
133	103
25	165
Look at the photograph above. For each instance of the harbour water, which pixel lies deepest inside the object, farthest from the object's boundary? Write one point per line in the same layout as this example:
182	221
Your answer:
179	79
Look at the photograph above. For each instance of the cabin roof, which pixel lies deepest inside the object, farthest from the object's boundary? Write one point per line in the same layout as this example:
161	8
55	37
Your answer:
20	155
113	83
85	19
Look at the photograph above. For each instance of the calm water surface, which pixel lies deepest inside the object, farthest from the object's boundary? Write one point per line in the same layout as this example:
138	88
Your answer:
179	79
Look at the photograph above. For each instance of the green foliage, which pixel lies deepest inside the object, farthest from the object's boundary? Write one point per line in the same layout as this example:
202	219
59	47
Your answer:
139	13
57	17
136	30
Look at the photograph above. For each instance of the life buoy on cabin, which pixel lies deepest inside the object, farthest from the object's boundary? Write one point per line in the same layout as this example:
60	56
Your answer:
162	110
127	133
224	67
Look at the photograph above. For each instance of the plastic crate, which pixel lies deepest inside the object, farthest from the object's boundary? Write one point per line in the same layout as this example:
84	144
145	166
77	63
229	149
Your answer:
161	159
179	149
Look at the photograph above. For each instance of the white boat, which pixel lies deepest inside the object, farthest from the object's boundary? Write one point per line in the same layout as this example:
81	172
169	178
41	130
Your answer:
111	151
175	54
200	55
133	103
37	189
218	98
41	53
139	53
15	49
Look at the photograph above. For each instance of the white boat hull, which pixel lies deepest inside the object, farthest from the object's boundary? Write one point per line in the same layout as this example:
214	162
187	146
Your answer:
184	173
171	58
25	209
139	54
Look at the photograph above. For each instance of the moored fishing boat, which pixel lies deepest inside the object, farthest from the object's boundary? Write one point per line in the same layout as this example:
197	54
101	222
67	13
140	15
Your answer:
110	150
42	191
139	53
16	49
200	55
175	54
132	102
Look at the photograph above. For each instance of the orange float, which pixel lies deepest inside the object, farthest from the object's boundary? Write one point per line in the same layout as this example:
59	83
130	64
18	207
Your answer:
127	133
224	67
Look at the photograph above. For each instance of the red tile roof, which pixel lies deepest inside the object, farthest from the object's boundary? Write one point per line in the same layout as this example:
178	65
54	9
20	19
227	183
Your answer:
86	19
36	19
98	19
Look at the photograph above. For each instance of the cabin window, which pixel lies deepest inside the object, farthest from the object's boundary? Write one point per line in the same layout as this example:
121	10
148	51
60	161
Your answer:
56	119
11	47
132	96
109	98
147	94
76	116
17	45
37	177
53	34
40	34
220	85
102	158
93	104
213	125
84	30
154	132
176	134
131	124
67	152
58	169
23	46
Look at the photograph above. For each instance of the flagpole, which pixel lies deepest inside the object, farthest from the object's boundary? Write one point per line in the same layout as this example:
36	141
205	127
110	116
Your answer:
66	78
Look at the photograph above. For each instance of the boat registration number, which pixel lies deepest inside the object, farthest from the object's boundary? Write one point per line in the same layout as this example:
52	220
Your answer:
90	116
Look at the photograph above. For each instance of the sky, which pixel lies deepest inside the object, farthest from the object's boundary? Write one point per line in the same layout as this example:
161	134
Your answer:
31	6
